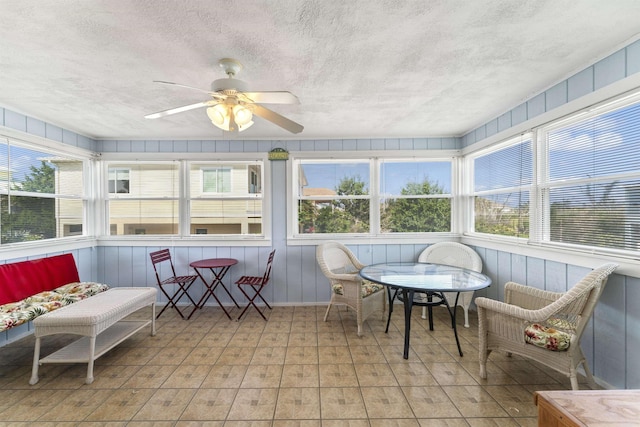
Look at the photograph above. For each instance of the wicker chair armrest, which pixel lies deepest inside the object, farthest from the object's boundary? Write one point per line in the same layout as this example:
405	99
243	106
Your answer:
509	310
528	297
351	289
344	277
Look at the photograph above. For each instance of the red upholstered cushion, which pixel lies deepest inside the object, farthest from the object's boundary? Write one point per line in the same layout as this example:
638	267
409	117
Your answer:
19	280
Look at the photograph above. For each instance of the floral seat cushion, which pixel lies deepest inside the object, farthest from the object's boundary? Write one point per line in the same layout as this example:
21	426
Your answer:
548	336
367	288
19	312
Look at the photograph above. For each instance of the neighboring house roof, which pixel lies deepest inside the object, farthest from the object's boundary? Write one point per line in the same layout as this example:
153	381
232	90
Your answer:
318	192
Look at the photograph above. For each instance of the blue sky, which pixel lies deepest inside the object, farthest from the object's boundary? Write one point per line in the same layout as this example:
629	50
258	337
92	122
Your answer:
395	175
21	159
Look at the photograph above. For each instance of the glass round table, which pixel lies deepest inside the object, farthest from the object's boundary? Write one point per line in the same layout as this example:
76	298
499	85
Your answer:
432	280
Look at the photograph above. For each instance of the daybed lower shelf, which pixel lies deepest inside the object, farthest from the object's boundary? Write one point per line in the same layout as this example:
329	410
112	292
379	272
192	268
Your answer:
79	350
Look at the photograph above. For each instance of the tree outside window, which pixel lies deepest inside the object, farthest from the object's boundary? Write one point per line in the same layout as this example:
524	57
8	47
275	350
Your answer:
336	198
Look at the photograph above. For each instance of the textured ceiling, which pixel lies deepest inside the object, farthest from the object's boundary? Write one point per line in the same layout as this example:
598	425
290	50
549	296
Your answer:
361	68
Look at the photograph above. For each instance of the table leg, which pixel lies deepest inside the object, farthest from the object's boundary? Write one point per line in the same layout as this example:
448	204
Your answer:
407	295
36	363
153	319
92	355
209	288
391	300
453	320
219	278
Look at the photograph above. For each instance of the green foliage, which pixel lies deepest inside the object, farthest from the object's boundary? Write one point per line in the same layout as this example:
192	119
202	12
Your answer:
307	213
345	215
497	218
417	215
40	180
25	218
600	221
352	215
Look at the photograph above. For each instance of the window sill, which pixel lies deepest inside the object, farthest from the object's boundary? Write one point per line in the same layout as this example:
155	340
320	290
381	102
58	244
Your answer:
629	265
210	240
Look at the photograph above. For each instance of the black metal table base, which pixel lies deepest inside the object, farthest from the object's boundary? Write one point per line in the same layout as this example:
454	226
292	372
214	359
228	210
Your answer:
408	300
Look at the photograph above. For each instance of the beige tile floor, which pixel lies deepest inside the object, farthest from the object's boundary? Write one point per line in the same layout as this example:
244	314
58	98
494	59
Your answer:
292	370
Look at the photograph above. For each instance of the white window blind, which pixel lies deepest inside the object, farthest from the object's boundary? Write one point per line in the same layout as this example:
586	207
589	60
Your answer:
593	190
41	194
502	186
226	198
151	200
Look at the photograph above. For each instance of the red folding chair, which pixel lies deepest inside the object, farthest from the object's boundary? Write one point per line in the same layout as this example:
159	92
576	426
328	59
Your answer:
183	282
257	283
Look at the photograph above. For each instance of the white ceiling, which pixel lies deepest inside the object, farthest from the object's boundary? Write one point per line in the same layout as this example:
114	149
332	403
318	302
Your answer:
361	68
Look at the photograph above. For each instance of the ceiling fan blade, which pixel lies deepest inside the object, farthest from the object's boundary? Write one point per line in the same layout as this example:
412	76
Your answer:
276	118
178	110
280	97
185	86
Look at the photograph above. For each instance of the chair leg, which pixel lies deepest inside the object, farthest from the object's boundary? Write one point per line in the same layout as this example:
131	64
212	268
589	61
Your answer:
251	301
466	316
326	313
171	302
573	377
484	355
587	371
257	291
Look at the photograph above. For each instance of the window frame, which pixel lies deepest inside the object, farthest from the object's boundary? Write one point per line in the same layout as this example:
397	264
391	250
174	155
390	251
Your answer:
54	148
132	196
539	213
526	188
545	184
375	158
213	196
105	239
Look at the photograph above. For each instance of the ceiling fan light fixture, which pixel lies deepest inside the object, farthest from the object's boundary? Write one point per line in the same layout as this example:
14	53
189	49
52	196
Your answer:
245	126
228	116
242	115
219	115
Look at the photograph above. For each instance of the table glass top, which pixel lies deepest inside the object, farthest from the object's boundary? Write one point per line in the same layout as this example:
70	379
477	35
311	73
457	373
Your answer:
422	276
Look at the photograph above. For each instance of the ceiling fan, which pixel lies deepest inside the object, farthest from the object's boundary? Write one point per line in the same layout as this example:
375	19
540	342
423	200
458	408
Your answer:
232	107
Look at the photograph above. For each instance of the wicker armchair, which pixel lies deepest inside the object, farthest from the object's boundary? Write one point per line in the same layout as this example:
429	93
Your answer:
341	267
456	255
511	326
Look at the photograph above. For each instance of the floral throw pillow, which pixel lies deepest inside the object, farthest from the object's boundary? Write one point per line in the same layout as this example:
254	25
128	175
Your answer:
547	337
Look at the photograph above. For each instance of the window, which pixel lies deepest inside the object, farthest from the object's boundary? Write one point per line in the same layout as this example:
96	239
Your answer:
415	196
585	192
373	196
333	197
226	198
591	194
118	180
216	180
150	204
502	185
41	194
186	198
